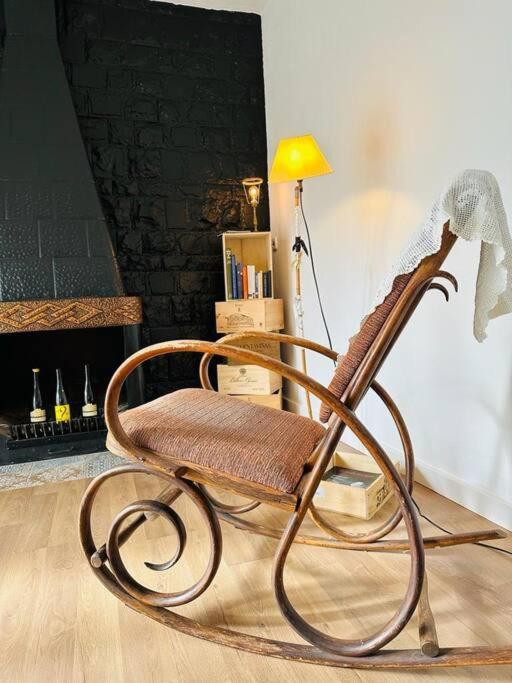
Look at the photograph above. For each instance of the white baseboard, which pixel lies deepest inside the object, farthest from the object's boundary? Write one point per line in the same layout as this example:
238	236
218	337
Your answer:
472	497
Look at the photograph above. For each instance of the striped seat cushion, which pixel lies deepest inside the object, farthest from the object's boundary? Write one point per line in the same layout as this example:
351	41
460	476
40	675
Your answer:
245	440
361	343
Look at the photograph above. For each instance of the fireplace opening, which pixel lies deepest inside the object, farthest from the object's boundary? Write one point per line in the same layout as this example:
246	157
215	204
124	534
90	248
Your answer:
69	350
102	348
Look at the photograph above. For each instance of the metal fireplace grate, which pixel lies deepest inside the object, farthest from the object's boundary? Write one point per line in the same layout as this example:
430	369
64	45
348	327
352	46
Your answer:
35	434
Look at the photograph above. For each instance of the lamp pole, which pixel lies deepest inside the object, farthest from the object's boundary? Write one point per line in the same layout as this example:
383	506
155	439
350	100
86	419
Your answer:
299	248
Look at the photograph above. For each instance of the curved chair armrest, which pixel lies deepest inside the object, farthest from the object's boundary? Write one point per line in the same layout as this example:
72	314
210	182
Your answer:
269	336
346	415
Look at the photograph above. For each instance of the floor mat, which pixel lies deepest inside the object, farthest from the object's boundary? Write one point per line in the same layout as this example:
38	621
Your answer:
27	474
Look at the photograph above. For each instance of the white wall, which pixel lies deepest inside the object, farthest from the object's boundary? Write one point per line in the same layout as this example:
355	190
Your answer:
401	95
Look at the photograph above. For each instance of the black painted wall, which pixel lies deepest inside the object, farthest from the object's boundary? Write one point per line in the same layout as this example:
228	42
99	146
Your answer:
171	107
53	237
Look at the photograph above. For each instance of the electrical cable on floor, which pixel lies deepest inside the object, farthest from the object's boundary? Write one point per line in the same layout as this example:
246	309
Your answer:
450	533
315	279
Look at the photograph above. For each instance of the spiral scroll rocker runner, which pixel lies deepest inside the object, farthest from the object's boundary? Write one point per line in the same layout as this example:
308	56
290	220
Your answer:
182	476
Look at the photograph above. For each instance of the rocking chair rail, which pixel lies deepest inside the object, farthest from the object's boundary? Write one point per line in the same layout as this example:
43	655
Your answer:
307	654
381	546
387	659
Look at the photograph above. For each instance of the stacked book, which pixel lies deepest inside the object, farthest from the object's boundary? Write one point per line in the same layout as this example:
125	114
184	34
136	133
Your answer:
244	281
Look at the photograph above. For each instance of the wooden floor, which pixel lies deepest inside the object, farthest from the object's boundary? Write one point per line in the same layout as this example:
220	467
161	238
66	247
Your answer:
57	623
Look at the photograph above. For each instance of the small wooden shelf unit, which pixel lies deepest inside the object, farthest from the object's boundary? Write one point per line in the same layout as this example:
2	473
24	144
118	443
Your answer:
249	248
250	382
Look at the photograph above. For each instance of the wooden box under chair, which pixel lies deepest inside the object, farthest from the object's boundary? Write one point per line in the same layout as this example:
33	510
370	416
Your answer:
242	315
247	379
354	486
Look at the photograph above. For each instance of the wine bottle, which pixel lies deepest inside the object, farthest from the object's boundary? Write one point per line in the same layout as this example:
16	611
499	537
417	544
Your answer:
62	411
89	409
38	413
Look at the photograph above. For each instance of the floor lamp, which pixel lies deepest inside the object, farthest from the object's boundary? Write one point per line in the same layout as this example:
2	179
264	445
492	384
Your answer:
295	160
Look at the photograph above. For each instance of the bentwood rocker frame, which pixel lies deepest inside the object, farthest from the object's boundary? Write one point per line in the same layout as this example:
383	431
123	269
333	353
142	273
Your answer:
191	480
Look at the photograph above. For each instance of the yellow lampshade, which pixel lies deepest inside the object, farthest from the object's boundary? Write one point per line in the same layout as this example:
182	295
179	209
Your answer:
296	159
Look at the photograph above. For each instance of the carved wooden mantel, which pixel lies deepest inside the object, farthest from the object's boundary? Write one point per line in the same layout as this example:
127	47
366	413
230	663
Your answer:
62	314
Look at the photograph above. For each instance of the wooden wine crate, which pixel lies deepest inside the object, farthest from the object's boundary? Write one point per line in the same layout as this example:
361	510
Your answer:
354	486
247	379
268	400
254	248
264	346
241	315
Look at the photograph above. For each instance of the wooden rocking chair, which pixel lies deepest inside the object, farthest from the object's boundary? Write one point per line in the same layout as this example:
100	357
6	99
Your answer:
195	438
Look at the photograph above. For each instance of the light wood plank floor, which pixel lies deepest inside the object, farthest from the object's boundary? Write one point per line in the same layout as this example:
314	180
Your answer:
57	623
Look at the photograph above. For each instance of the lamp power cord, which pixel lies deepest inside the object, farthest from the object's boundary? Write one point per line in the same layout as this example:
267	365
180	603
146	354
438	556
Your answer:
313	270
450	533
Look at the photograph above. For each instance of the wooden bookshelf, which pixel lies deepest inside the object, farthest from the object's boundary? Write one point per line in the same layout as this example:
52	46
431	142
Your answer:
250	382
249	248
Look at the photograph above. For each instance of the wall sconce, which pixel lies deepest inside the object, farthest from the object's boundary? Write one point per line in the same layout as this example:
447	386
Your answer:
252	189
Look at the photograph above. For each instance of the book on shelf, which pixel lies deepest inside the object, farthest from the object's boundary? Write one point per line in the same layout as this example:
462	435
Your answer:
239	287
233	276
259	284
245	286
267	283
251	282
229	275
243	281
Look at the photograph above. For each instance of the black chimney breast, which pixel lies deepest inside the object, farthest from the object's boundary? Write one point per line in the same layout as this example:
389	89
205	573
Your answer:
54	241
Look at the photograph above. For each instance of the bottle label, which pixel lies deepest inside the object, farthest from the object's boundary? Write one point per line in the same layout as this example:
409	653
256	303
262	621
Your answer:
90	410
38	415
63	413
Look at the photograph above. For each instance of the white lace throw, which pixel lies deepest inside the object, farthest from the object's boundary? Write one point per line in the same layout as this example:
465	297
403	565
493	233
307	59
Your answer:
474	206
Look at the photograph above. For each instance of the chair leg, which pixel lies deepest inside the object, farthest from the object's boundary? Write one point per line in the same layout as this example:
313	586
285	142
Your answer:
427	626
